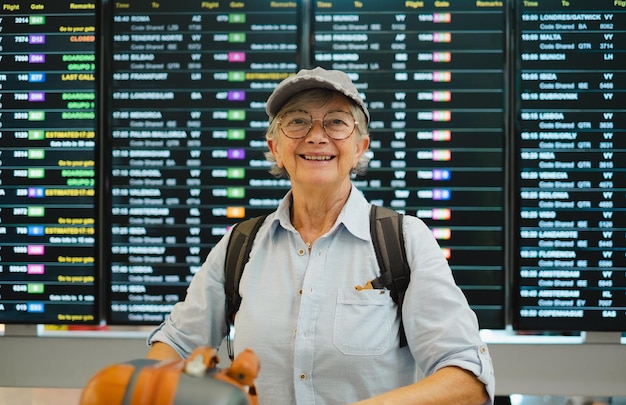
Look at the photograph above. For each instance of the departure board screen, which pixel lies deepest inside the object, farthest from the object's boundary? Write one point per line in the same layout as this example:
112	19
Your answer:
178	90
432	74
47	162
189	83
571	165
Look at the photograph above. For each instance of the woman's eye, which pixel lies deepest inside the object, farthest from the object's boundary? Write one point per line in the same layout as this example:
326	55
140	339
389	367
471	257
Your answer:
298	122
336	123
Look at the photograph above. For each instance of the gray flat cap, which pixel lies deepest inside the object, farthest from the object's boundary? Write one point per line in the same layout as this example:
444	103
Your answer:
313	79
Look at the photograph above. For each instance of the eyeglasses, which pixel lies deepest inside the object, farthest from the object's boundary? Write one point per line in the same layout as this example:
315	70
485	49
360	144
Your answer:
298	123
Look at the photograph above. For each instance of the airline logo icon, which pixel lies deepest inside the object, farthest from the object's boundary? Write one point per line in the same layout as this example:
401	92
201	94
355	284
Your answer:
236	76
435	213
441	175
35	307
442	135
442	37
236	134
442	76
236	95
435	116
37	20
236	115
36	97
442	57
35	250
36	173
36	192
36	135
235	212
442	155
442	214
35	288
36	211
36	153
235	173
236	56
235	192
442	18
236	18
435	194
237	37
35	269
236	154
35	230
441	194
36	77
36	58
436	135
36	39
36	115
442	116
436	174
442	96
442	233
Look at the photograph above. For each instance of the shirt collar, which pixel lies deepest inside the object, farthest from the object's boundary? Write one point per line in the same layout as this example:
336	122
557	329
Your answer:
351	215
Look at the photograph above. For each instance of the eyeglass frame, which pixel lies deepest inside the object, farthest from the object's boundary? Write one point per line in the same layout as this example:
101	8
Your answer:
355	124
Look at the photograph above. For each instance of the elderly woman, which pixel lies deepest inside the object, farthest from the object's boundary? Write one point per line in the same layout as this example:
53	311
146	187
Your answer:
320	340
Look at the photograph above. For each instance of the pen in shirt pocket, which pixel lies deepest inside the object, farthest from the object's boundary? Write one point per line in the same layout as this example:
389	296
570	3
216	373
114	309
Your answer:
372	285
367	286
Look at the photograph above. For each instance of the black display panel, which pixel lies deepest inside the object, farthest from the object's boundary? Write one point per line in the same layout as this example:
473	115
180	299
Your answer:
189	82
47	162
571	166
433	76
183	95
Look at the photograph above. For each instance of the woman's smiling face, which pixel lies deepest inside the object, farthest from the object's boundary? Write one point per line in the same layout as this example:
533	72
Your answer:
316	158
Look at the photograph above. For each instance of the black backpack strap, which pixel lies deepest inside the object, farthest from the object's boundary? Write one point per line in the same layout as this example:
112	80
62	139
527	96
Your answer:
237	255
388	239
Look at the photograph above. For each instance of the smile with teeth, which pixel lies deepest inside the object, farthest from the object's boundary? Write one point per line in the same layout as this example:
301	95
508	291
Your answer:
315	157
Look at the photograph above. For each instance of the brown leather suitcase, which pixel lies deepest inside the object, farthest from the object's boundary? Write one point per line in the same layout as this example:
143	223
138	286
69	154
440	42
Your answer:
193	381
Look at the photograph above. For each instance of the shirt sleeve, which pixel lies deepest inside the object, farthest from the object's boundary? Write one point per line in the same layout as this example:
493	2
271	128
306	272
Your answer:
441	328
198	320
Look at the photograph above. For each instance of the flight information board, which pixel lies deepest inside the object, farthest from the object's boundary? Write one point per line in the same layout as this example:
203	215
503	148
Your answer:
189	83
571	166
47	162
433	77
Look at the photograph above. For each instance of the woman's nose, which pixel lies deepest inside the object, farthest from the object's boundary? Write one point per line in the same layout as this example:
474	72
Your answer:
317	131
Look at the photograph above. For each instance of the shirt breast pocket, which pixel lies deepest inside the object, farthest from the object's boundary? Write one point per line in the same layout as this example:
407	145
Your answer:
363	322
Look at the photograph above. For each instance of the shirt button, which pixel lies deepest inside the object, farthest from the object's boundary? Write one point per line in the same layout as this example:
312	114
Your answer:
300	291
302	376
483	349
300	252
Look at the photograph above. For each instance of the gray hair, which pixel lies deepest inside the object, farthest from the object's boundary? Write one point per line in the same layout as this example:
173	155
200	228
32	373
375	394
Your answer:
316	97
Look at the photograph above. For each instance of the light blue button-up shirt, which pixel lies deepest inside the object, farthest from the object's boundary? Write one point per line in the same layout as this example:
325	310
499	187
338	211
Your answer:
319	340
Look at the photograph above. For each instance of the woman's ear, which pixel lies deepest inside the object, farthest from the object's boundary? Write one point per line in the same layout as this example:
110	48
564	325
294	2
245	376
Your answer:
361	147
272	145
